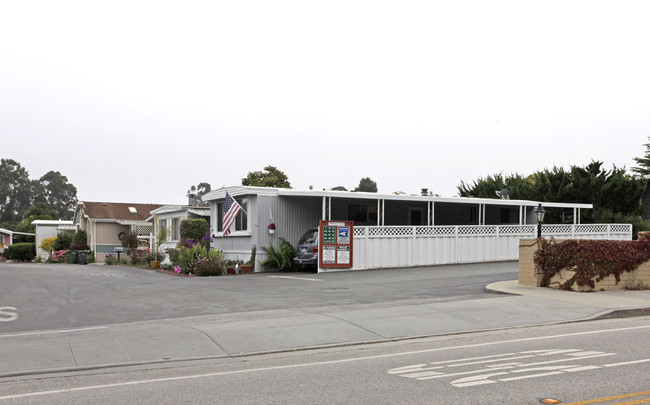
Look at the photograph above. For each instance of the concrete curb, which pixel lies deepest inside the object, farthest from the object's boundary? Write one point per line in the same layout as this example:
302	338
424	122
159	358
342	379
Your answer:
213	337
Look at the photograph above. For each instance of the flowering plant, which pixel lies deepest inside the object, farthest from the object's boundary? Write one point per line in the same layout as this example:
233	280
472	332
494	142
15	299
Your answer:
59	256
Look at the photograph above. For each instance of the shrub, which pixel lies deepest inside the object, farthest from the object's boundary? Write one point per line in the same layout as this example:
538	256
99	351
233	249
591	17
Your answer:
90	258
109	259
197	259
188	256
21	252
59	256
130	240
77	246
208	266
281	258
610	217
155	256
80	238
138	256
47	245
63	241
195	229
251	260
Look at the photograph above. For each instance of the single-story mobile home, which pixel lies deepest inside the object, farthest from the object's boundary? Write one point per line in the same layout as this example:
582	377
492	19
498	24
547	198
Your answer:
169	217
418	218
106	223
46	229
6	237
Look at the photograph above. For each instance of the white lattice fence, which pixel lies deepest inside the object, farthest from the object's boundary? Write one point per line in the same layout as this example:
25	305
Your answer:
405	246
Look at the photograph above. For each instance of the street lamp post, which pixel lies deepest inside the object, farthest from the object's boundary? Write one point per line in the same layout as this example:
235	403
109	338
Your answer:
539	214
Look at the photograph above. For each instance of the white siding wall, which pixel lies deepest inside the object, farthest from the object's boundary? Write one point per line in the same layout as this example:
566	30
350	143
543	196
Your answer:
44	232
407	246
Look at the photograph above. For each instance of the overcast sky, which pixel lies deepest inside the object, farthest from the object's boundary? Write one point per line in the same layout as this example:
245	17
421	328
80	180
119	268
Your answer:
136	101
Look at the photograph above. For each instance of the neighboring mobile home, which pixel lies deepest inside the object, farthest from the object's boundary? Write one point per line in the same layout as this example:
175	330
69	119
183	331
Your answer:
46	229
170	217
106	223
6	237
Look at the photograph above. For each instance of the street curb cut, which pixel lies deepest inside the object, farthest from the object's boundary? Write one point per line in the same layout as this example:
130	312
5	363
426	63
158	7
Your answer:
623	313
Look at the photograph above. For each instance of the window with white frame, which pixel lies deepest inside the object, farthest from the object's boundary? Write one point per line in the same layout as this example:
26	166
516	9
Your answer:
241	222
175	229
162	225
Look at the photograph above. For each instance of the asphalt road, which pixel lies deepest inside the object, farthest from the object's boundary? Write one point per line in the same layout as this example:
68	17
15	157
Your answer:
603	362
54	296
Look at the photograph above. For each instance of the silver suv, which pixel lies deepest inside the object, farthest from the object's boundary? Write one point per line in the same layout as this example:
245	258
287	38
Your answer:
307	249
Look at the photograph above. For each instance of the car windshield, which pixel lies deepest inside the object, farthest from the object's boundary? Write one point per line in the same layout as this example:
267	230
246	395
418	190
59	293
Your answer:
309	236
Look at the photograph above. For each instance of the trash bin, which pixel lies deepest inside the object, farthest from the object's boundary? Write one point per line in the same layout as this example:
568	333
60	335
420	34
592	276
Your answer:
72	257
82	256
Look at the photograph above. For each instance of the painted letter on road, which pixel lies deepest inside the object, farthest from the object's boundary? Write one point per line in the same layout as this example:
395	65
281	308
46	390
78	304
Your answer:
8	314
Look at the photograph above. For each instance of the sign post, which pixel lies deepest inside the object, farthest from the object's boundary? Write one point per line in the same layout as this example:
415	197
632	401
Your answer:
336	242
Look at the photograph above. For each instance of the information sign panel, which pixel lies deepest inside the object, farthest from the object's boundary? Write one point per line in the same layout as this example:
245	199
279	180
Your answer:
336	243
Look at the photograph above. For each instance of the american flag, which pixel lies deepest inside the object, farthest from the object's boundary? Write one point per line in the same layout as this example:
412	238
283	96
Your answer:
230	210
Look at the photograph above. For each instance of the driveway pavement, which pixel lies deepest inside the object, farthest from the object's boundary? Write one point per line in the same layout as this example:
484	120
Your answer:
245	333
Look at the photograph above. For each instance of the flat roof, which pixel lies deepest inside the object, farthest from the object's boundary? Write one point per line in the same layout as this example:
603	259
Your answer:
51	222
236	191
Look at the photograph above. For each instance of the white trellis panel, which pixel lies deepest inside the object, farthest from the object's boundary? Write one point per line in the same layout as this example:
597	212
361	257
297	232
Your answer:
407	246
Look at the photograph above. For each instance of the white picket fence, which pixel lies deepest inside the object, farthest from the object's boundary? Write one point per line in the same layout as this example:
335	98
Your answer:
407	246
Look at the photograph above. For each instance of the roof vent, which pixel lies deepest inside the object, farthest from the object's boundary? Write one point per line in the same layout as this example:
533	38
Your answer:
133	210
105	204
425	191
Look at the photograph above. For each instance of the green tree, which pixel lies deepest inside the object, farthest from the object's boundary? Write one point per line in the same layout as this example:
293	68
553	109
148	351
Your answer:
612	191
520	187
270	177
339	188
195	193
38	210
15	192
367	184
54	190
644	163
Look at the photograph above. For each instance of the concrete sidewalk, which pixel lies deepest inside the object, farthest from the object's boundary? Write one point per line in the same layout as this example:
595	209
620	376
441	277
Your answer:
247	333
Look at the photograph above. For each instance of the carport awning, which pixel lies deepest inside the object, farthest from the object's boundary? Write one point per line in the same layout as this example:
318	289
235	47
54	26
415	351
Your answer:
202	213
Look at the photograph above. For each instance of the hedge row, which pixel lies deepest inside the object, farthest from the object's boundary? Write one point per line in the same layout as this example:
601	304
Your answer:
21	252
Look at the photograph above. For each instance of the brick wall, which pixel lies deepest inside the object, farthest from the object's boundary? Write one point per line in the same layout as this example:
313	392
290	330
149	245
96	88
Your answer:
527	276
639	278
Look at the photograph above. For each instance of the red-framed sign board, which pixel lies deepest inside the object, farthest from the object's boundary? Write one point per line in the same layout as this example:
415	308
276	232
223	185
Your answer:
335	244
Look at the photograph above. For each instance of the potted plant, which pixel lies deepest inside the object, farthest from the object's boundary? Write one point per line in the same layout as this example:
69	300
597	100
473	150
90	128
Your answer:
161	237
249	266
271	228
231	266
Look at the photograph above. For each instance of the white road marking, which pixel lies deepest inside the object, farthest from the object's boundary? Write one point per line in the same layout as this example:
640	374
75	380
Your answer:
53	331
627	363
515	370
302	365
298	278
8	312
524	377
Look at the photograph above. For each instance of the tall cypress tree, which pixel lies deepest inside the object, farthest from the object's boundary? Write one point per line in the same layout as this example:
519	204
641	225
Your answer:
644	163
